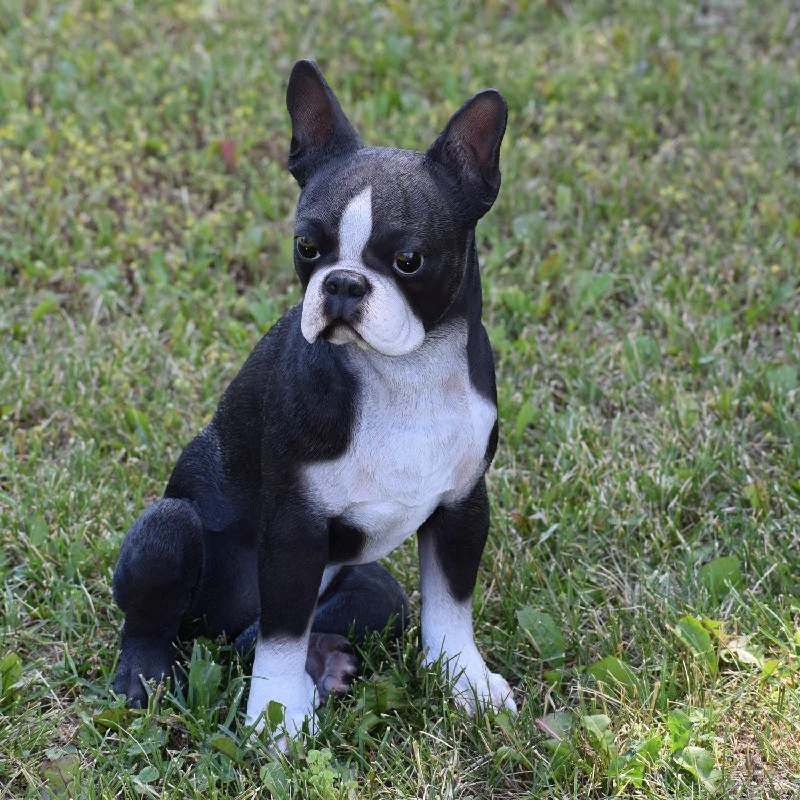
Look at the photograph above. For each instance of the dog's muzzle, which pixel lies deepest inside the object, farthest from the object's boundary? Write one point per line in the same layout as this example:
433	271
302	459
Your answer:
350	304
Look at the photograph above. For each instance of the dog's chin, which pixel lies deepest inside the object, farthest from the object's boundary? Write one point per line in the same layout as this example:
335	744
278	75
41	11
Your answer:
339	332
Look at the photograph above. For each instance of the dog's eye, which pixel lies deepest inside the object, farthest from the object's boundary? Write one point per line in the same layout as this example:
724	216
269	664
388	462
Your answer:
408	263
306	249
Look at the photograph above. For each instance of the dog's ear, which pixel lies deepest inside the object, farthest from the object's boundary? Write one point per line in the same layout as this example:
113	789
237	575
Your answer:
469	148
320	130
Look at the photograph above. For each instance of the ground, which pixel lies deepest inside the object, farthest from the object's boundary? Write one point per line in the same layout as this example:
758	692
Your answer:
641	271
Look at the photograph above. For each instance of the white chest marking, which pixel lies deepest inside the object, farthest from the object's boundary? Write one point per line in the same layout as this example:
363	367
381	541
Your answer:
419	440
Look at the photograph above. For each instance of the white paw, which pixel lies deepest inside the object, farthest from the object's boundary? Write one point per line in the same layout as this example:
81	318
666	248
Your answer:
485	689
473	685
298	700
292	727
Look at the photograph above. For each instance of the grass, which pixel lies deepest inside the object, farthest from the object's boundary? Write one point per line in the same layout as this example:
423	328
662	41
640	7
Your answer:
642	279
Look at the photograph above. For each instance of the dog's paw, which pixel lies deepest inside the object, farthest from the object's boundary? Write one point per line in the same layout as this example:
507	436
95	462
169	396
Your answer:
142	660
294	719
483	689
472	684
330	663
298	698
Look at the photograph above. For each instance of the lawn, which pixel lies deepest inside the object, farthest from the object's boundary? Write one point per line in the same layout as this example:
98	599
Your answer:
641	586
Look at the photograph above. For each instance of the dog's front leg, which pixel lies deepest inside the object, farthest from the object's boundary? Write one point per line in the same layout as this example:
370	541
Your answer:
450	546
292	553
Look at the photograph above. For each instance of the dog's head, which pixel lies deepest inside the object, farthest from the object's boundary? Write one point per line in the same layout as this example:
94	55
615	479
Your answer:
382	235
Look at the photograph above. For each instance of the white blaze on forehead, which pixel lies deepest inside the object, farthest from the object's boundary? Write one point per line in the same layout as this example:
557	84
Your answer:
355	226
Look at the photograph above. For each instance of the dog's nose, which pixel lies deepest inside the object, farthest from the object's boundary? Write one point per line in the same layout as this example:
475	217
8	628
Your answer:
344	290
346	284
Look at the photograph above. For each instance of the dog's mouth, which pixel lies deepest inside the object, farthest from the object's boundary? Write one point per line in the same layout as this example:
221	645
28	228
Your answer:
340	332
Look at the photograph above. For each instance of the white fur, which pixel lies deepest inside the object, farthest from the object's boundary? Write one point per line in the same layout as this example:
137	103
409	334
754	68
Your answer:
279	673
447	635
328	575
355	227
388	324
419	440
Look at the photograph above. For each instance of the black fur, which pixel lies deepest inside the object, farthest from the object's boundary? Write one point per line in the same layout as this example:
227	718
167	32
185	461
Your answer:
320	131
458	533
345	541
469	150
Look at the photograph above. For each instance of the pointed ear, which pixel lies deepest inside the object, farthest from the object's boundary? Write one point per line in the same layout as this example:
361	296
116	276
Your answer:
469	148
320	130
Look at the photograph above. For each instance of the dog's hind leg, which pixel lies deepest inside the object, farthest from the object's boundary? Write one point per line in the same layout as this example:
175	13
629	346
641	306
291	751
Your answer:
361	598
364	597
156	579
